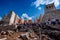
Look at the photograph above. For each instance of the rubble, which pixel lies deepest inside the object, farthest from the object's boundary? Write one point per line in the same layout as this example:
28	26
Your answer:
3	39
33	31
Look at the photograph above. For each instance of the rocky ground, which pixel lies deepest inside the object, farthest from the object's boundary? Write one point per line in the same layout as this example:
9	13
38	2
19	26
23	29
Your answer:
37	32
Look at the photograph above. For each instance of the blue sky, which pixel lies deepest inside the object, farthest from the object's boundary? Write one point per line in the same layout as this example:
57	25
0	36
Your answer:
29	8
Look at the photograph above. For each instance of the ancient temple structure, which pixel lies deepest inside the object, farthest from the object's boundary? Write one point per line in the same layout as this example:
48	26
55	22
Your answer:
50	12
11	18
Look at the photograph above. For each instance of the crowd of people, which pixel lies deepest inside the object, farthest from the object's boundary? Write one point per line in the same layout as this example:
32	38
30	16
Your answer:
52	21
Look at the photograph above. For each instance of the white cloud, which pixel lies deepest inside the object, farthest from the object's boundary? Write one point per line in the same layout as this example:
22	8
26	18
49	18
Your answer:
24	15
38	2
56	2
30	18
39	8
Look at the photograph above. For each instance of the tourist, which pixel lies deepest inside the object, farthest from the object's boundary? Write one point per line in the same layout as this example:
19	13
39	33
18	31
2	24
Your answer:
53	21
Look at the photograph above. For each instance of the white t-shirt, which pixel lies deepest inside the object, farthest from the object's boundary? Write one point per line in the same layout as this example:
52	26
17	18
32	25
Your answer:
53	20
